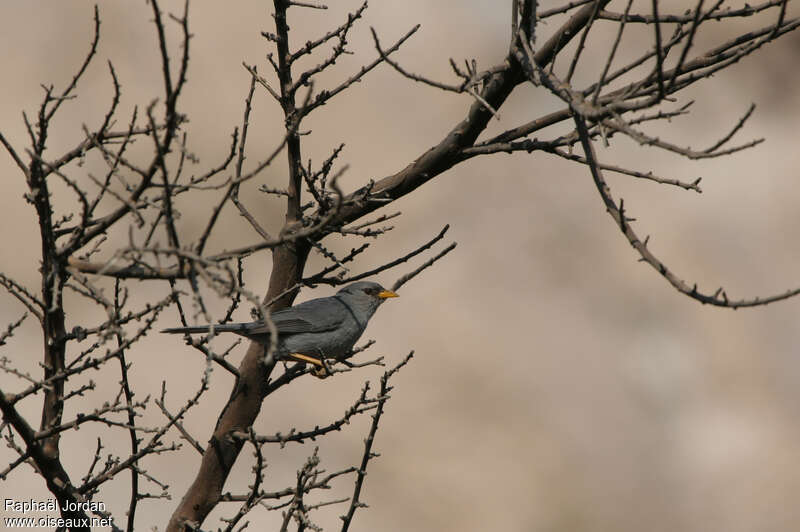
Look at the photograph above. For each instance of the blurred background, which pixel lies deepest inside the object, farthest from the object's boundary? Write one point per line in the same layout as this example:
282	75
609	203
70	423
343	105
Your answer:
558	383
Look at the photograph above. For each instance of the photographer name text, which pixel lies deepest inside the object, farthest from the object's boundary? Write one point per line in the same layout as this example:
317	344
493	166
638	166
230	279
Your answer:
51	505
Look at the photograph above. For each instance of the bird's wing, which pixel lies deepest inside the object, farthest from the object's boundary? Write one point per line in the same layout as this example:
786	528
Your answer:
317	315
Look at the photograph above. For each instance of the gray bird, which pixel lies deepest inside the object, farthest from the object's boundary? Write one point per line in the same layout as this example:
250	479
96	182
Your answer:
315	330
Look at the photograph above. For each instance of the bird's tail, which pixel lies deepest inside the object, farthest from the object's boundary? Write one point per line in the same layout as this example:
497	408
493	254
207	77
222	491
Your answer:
222	327
187	330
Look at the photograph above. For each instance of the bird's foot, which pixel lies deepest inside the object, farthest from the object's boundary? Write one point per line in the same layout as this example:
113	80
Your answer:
322	372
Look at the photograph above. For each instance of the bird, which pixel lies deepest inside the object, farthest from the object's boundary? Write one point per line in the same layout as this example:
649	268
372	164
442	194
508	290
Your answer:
315	330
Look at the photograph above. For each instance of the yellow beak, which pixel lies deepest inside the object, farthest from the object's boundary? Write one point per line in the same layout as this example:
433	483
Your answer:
387	293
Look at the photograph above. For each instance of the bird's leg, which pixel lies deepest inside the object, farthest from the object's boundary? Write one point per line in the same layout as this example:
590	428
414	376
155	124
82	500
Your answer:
321	369
305	358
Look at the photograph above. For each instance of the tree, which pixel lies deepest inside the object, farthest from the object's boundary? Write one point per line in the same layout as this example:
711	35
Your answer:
104	234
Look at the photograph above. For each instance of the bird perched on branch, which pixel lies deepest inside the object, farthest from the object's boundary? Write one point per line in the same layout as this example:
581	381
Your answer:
315	330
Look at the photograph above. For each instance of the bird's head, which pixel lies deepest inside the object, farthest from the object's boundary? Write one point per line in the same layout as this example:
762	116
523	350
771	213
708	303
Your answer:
366	294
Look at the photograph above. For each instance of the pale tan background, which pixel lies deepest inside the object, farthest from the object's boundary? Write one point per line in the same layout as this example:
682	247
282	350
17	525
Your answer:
559	385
